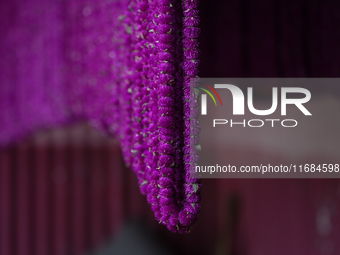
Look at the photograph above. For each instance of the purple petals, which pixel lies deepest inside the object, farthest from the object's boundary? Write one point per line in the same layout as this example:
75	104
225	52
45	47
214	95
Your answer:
165	56
168	209
143	189
162	47
189	4
166	149
166	131
186	218
191	54
191	64
158	215
165	122
191	32
154	191
192	188
193	198
173	219
166	138
166	201
167	192
165	218
165	2
165	111
172	228
166	160
167	67
166	90
154	175
190	44
166	101
165	182
159	133
166	38
151	199
165	18
167	171
191	21
155	208
184	229
192	208
166	10
190	13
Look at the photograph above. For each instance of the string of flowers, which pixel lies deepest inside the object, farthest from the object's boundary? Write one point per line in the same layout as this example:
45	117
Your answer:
124	66
160	129
165	58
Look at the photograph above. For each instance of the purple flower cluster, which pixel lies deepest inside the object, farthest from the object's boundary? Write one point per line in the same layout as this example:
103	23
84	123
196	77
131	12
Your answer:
124	66
160	130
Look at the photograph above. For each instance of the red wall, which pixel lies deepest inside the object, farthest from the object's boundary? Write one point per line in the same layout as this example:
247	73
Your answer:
65	191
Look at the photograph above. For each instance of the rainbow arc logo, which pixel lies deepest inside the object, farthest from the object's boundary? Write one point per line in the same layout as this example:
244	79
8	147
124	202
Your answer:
204	98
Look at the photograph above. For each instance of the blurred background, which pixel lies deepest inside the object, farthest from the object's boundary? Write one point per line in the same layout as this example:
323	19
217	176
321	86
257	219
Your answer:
66	190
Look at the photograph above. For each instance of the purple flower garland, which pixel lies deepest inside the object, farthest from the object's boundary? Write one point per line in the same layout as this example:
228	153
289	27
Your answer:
124	66
160	130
